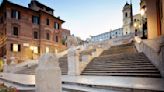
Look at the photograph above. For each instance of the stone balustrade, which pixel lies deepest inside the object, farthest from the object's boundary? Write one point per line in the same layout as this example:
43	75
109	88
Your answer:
86	59
77	65
112	42
154	50
12	68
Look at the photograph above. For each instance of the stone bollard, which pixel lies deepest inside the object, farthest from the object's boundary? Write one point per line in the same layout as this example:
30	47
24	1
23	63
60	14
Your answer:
73	62
48	74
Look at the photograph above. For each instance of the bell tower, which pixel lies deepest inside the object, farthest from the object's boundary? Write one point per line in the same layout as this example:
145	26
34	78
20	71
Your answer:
127	19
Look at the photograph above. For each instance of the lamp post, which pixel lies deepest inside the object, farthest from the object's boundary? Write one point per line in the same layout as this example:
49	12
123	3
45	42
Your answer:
144	23
142	12
135	27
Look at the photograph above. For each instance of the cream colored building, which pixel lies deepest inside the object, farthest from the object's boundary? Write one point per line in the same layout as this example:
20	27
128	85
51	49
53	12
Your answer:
137	24
127	19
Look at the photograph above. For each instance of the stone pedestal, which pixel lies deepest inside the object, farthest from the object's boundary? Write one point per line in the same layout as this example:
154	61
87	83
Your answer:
48	74
73	62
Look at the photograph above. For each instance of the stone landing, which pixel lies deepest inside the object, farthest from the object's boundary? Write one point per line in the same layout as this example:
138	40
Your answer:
82	83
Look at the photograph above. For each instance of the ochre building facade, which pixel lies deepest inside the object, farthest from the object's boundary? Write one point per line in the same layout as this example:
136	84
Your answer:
28	32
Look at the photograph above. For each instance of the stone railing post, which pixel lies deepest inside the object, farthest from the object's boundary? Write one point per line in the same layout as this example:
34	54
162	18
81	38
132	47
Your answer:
48	74
73	62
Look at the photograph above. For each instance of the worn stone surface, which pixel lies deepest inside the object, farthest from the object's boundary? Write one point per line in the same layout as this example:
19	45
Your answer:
73	62
48	74
154	50
71	41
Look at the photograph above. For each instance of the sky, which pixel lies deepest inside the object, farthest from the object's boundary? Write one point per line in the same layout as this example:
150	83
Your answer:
85	18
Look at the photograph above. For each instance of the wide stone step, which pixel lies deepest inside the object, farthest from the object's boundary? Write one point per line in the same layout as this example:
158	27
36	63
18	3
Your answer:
111	71
115	52
119	50
120	57
117	68
129	67
125	74
119	65
126	66
117	62
123	59
124	55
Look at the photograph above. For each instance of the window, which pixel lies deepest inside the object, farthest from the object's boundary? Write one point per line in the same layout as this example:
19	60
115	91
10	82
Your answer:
47	49
35	20
35	49
15	14
56	25
47	36
47	21
15	47
126	15
1	19
5	15
36	35
56	38
15	31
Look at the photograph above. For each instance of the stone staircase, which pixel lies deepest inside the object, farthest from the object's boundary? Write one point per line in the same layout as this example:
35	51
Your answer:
31	70
87	52
63	64
122	60
28	70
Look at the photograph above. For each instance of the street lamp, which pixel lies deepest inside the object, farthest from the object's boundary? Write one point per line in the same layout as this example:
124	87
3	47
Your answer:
144	22
135	27
142	12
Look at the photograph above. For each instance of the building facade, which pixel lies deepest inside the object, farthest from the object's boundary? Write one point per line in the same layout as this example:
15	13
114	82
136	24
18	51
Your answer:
127	19
65	34
107	35
155	21
28	32
138	25
116	33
